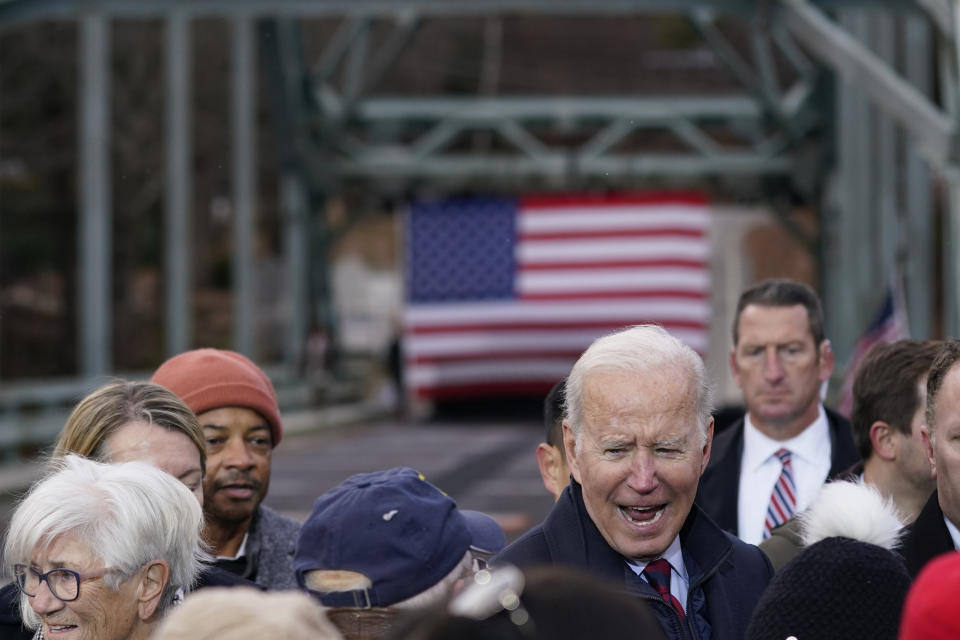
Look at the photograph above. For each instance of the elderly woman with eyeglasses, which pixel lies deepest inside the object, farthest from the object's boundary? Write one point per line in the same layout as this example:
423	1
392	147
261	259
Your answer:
99	551
120	422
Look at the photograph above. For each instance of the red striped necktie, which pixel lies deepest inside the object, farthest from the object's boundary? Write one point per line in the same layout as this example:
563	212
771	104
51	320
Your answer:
658	575
783	498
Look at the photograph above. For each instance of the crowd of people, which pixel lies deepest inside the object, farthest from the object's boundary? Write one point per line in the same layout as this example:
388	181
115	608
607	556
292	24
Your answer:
149	520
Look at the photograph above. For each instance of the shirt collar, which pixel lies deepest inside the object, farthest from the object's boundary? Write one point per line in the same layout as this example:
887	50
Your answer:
242	551
808	445
954	532
673	555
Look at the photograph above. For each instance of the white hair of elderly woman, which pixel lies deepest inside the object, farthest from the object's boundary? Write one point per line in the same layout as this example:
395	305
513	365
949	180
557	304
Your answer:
241	613
127	515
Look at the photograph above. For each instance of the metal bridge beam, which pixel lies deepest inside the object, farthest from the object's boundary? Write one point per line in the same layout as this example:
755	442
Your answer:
26	10
931	129
95	249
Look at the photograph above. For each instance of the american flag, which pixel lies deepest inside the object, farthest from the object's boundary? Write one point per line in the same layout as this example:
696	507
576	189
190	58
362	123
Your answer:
889	324
503	295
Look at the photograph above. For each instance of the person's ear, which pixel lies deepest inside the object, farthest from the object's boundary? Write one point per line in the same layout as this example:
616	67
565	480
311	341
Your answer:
707	446
154	578
734	369
569	443
827	360
928	449
883	440
550	461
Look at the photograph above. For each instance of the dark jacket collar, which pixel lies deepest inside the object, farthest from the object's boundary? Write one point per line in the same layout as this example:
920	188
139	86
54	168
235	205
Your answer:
719	489
843	450
926	538
245	566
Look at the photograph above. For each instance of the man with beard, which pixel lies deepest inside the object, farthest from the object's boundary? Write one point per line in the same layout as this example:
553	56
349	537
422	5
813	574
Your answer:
237	408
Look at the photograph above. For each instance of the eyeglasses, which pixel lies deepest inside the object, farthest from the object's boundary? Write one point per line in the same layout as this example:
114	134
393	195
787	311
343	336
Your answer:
480	560
493	591
64	584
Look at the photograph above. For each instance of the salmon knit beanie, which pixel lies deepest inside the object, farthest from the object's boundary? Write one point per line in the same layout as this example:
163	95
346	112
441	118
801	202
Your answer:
208	379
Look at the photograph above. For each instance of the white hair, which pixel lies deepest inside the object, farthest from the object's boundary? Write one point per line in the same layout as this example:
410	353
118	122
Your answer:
127	514
855	510
440	591
334	581
643	349
245	613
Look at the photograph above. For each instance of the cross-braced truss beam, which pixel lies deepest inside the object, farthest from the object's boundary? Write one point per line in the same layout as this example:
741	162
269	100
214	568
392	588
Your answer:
561	139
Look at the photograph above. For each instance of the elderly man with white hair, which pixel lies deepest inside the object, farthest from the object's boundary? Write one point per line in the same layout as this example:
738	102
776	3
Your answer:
99	551
637	433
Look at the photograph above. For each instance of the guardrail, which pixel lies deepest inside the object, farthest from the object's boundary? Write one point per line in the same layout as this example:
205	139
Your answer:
33	412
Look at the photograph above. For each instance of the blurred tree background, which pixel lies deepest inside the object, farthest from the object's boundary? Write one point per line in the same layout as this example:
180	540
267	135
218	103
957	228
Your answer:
38	194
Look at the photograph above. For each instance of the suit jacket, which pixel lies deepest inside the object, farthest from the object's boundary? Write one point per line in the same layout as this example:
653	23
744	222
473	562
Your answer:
926	537
726	575
719	491
785	542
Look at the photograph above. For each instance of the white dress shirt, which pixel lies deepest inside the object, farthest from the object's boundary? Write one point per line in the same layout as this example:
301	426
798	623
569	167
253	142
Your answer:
954	533
679	581
760	469
242	551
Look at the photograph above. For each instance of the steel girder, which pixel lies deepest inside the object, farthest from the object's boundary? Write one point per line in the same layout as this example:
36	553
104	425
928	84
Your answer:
931	128
333	108
336	118
560	139
348	131
21	10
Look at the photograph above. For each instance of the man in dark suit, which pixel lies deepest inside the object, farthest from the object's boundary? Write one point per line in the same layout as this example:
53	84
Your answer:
935	531
889	405
637	432
770	464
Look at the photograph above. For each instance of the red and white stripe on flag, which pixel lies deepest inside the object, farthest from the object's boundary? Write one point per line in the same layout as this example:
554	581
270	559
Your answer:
888	325
583	267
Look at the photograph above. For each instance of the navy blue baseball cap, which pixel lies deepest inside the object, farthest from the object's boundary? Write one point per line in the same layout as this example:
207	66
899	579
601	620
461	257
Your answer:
401	532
